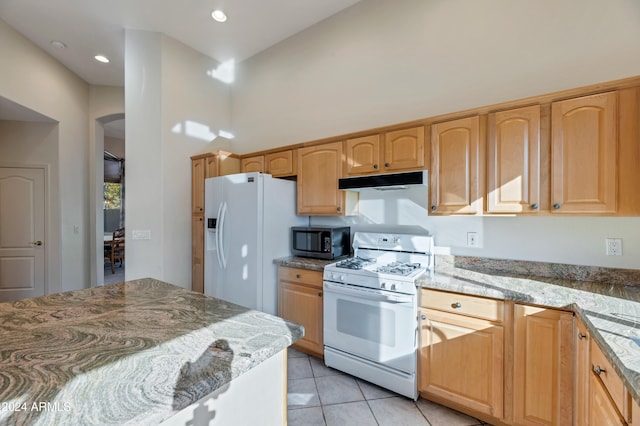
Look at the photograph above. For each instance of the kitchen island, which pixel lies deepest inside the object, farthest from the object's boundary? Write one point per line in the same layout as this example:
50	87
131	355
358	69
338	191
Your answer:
139	352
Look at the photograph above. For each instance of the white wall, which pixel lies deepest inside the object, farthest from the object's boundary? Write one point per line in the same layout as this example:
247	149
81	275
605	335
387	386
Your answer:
174	109
381	62
30	77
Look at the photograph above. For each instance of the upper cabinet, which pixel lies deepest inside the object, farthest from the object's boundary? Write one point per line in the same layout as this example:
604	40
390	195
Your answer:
404	149
278	164
252	164
584	154
457	167
320	167
363	155
390	152
281	163
514	161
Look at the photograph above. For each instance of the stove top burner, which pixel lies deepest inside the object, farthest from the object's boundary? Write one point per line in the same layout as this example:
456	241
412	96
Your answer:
398	268
354	263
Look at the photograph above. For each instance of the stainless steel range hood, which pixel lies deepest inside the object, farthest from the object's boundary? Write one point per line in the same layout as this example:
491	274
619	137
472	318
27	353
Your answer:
384	182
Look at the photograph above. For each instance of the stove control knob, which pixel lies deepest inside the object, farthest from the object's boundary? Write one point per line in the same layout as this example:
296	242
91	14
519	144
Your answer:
341	277
383	285
393	286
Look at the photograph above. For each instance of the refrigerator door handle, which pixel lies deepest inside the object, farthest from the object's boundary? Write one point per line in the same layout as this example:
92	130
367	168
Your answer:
221	235
218	243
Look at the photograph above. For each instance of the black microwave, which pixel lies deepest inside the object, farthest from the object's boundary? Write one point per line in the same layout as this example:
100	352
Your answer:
321	242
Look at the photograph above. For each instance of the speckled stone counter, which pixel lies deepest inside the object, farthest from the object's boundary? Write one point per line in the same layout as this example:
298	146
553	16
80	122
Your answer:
129	353
606	300
304	262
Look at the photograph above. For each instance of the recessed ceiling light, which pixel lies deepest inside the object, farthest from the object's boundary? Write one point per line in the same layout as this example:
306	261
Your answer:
58	44
102	58
219	15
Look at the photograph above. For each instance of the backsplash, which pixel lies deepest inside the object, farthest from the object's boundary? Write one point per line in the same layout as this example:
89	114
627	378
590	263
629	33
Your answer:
627	277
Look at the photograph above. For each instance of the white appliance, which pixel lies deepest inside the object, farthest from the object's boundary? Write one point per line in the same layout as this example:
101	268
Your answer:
248	217
371	309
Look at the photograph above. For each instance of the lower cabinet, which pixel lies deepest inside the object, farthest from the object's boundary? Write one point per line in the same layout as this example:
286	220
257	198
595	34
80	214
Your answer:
501	362
543	367
462	361
300	301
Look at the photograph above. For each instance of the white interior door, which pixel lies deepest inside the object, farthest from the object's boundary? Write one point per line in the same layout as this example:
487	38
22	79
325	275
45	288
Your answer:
22	232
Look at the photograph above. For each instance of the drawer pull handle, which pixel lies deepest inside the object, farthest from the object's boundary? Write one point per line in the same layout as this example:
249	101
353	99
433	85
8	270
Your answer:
534	206
581	336
298	276
598	370
423	317
456	305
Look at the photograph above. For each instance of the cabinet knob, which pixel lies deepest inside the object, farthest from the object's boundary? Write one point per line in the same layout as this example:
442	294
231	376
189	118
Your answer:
433	208
339	209
375	166
423	317
200	208
200	219
298	276
534	206
320	294
556	206
456	305
387	164
598	370
581	336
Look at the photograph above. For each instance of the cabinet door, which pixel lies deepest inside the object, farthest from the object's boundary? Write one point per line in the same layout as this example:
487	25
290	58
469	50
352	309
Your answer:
461	360
253	164
197	185
320	167
363	155
211	166
456	167
584	149
197	253
404	149
542	366
303	305
513	150
602	410
281	163
581	378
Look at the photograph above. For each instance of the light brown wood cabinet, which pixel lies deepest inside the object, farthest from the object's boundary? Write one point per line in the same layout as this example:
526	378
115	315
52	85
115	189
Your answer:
584	154
363	155
320	167
542	353
394	151
461	354
514	159
581	375
252	164
608	398
281	163
204	166
300	300
457	167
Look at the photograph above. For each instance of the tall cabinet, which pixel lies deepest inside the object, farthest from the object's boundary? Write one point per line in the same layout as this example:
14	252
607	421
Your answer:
202	167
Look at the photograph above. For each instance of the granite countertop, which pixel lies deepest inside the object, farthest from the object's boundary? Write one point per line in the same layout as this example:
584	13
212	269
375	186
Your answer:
304	262
606	300
129	353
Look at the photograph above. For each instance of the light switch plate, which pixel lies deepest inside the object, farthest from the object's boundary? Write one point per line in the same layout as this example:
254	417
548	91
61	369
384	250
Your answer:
141	234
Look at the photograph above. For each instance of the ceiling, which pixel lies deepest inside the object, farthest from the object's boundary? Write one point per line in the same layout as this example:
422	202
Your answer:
91	27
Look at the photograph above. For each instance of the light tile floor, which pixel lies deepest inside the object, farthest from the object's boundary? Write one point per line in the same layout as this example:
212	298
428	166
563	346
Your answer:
318	395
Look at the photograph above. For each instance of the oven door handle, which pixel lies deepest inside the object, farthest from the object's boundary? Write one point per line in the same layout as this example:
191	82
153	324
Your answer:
368	295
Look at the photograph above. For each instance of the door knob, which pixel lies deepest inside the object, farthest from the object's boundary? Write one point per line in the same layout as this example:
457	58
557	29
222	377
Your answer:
37	243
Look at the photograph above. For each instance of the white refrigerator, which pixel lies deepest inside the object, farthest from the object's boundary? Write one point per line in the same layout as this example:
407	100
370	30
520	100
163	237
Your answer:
248	217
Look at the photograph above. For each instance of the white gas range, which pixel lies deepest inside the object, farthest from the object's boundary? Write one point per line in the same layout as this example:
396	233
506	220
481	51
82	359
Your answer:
371	309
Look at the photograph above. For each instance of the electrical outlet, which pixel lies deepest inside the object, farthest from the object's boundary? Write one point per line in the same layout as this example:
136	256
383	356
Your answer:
472	239
614	246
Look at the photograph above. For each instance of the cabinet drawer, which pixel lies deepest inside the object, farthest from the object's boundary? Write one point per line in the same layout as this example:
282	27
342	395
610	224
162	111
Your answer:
300	276
478	307
609	377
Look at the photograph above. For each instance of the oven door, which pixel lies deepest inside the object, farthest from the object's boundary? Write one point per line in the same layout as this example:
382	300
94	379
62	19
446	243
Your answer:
373	324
